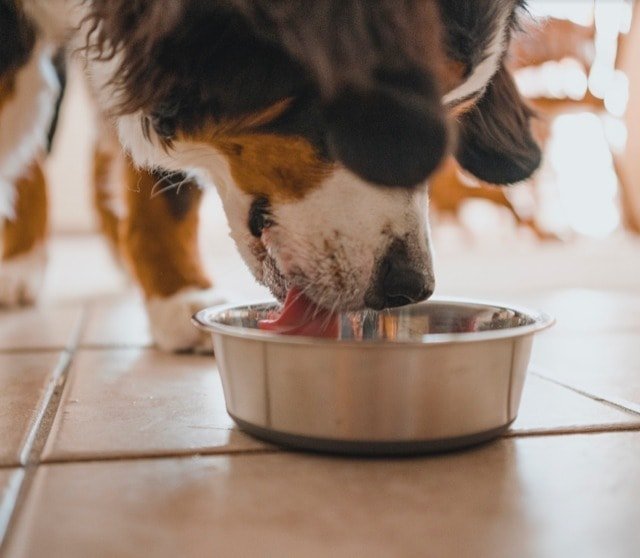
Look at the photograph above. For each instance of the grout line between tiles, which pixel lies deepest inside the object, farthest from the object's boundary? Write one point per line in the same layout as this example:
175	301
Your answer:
70	345
9	503
49	400
32	350
74	338
595	429
41	428
177	454
113	347
620	404
608	429
163	455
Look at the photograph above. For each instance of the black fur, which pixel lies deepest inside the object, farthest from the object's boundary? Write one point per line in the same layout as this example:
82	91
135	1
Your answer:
470	26
60	65
195	61
259	216
388	136
346	43
362	76
495	142
17	38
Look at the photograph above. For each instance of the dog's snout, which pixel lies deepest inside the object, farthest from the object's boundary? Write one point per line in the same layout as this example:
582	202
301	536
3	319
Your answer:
398	283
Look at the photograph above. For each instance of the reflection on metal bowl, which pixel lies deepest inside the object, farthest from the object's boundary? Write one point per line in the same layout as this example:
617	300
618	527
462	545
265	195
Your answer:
433	376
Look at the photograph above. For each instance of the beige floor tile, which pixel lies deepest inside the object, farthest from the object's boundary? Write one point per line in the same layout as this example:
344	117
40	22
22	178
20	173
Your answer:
548	407
506	268
43	327
604	364
117	321
80	268
26	381
589	310
530	497
10	480
135	402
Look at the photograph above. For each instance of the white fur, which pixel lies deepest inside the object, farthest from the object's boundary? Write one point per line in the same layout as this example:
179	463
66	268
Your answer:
334	238
345	221
170	319
21	277
24	121
483	72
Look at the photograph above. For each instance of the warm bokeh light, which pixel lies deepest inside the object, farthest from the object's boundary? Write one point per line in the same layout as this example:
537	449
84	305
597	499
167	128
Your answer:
556	80
584	176
578	186
577	12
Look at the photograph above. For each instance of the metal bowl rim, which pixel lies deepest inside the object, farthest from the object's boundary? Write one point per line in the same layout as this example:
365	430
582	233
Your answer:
205	320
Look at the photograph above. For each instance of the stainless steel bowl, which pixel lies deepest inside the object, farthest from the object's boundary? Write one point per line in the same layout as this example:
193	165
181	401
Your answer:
428	377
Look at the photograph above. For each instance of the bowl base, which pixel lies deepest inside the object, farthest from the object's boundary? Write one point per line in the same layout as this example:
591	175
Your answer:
368	448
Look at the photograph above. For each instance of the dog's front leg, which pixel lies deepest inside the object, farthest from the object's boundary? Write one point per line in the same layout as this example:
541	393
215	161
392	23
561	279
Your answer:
22	240
160	242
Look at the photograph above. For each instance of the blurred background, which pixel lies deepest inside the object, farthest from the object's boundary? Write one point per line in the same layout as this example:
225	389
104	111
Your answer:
574	61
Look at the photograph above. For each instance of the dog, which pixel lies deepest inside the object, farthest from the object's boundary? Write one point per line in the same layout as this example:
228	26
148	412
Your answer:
319	123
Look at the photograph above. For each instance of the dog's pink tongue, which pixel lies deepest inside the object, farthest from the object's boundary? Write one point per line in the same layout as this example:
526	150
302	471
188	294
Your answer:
301	316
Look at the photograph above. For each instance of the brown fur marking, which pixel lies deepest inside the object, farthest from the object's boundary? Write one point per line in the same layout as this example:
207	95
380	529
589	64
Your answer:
161	250
29	227
284	168
451	73
7	89
458	109
281	168
105	167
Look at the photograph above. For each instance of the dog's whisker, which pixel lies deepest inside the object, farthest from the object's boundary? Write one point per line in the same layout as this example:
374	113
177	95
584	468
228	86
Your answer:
155	192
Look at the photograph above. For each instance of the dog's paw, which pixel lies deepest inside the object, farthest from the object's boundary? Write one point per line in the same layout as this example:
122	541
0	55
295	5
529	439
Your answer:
21	278
170	320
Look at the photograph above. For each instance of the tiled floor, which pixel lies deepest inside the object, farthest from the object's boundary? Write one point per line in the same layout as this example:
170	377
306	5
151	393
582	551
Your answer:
110	448
26	384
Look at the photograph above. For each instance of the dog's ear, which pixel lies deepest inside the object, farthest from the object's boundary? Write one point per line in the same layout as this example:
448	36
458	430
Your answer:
136	30
374	66
495	141
389	134
18	37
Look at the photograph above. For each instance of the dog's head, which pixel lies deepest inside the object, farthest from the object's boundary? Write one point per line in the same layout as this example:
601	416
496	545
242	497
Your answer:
319	122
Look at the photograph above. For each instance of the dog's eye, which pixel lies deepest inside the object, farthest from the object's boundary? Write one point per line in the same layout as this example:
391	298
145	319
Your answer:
164	125
259	216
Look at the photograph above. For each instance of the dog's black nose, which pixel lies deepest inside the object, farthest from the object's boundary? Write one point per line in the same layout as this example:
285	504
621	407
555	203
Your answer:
397	283
404	286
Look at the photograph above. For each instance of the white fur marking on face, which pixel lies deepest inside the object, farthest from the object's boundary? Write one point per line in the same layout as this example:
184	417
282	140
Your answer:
24	122
484	71
206	164
170	319
21	278
334	238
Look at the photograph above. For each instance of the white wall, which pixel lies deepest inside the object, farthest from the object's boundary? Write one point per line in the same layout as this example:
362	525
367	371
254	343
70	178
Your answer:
630	162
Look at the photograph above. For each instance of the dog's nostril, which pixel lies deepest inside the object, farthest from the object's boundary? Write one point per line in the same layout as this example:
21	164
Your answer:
402	285
399	280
